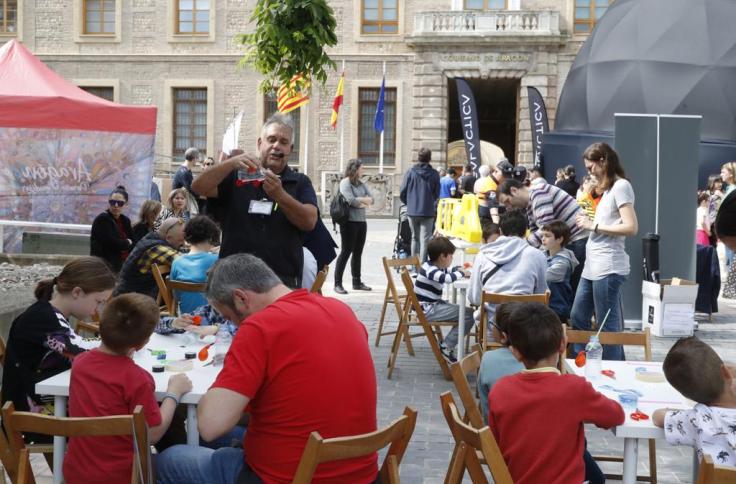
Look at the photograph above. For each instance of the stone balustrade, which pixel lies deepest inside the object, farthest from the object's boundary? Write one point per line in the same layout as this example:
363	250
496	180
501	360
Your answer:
482	23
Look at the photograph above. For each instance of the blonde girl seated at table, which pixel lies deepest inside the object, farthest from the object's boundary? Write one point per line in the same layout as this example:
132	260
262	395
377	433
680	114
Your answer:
42	342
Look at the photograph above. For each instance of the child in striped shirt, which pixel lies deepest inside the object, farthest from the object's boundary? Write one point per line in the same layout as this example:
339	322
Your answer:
433	275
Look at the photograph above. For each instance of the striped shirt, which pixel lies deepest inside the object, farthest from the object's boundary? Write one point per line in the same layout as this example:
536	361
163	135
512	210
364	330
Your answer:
430	281
548	203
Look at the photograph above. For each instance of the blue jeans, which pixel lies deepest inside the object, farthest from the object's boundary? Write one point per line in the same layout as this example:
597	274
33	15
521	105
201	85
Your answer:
599	296
189	464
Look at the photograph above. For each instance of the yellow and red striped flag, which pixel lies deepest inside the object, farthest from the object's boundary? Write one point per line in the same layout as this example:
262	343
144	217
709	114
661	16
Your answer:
338	101
292	97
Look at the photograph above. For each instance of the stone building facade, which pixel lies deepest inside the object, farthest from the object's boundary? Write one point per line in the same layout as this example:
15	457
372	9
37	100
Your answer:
155	51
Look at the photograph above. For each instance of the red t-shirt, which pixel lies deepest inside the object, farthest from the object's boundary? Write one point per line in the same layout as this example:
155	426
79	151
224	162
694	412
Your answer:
537	419
105	385
305	365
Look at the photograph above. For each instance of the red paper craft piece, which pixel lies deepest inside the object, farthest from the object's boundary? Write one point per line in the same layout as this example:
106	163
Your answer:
239	183
639	415
197	320
609	373
580	359
467	265
204	353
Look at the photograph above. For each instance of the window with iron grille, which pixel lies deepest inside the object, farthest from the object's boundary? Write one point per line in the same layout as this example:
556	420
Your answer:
379	16
190	120
8	16
192	16
369	141
485	5
587	13
268	109
105	92
99	17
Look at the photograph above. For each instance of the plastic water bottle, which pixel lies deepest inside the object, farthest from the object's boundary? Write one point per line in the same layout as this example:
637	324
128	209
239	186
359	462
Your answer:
222	344
593	358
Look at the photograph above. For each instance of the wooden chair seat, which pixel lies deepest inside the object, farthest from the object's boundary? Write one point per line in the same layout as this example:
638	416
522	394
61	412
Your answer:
642	339
397	434
710	473
497	298
15	456
164	298
319	281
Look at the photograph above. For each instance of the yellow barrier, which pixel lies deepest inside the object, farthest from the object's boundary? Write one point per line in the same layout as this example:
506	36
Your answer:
459	218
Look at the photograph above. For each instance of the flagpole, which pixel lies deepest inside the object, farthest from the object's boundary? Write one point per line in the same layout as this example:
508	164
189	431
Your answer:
342	126
380	155
306	139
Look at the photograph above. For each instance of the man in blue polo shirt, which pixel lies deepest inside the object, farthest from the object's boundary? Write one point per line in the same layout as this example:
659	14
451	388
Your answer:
448	184
265	217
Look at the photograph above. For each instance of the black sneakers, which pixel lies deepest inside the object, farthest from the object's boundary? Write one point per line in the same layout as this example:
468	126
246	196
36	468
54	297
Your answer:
447	353
361	287
339	289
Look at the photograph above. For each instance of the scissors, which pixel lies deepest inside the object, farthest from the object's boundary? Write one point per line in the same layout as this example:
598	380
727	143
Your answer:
639	415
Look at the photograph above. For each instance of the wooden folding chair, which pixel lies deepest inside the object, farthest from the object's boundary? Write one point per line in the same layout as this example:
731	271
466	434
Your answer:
496	298
459	371
175	287
431	329
643	339
165	298
710	473
471	445
398	434
394	296
16	423
319	280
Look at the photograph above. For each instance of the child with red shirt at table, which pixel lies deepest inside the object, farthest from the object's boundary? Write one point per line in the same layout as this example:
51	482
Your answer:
106	381
537	415
694	369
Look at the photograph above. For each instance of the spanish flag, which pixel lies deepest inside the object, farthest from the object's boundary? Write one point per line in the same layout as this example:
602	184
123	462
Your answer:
291	97
338	101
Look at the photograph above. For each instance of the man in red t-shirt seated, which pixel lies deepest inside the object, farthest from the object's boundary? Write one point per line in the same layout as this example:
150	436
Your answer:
300	363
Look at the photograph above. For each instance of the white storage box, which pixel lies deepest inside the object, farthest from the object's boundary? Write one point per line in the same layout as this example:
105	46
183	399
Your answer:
668	308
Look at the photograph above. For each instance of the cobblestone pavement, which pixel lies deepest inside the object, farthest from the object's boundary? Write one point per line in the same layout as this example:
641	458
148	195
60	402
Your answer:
418	382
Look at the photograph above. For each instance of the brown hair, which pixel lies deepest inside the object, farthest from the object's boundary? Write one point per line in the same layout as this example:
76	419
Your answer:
175	192
438	246
351	171
535	331
503	312
603	154
559	229
90	274
424	155
488	228
149	211
128	321
694	369
703	196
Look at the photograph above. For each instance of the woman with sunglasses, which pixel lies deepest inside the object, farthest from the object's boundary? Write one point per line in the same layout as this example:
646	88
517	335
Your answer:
112	234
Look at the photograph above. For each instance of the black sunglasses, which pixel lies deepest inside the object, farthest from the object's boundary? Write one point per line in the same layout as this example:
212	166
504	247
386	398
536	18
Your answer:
116	203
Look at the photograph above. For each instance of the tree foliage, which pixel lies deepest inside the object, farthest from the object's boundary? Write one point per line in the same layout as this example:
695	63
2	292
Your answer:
290	38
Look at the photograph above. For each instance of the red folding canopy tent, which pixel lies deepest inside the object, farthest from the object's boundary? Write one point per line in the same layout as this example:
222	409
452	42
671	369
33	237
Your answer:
34	96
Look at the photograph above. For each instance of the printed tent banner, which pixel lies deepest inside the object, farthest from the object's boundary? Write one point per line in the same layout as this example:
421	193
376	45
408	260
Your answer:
63	150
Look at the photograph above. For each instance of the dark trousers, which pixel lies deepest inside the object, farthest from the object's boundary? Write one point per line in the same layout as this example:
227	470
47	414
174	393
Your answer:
577	248
352	241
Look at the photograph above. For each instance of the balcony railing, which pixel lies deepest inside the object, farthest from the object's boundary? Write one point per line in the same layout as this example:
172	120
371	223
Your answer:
499	22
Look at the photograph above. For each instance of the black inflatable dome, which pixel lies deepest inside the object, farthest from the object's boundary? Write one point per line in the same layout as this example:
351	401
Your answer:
656	57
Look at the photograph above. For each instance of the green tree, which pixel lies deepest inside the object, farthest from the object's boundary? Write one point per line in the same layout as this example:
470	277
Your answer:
290	38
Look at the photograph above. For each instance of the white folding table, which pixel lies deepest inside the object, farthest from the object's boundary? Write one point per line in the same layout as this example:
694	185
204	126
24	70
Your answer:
462	286
655	396
175	345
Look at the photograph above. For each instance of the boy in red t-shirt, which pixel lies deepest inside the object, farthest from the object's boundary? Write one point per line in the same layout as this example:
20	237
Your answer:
106	381
537	415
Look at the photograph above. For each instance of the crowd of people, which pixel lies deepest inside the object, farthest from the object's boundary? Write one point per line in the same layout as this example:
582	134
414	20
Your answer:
536	236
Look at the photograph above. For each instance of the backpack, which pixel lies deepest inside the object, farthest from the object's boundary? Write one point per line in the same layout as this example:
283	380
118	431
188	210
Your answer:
339	210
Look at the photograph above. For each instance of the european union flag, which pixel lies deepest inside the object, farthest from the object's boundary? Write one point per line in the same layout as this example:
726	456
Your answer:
378	122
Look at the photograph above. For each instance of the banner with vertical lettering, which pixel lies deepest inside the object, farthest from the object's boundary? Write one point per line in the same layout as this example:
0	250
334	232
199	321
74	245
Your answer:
539	122
469	121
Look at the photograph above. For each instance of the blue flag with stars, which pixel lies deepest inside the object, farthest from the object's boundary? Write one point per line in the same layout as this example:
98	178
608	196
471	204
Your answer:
378	122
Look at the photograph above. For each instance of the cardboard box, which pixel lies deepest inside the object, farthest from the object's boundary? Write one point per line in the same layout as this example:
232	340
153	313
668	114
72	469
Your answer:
668	308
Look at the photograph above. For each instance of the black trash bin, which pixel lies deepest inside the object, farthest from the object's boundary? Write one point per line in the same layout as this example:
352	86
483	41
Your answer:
650	254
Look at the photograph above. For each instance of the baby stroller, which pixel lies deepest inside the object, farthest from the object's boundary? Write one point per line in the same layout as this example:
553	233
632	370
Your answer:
402	243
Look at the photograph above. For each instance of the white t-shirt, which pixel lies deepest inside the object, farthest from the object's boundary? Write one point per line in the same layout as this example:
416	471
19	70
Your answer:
701	216
711	430
605	254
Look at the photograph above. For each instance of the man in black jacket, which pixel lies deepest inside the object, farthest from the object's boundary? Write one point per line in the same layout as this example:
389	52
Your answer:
420	191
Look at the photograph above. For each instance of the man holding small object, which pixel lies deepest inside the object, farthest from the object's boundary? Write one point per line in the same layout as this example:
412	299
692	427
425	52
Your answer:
265	206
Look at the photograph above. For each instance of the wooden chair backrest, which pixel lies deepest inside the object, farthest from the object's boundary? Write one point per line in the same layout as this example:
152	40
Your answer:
164	293
174	287
17	423
710	473
459	371
642	338
319	281
481	440
498	298
391	264
412	301
397	434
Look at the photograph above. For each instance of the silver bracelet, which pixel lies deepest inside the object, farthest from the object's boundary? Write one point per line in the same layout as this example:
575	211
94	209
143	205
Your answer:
171	396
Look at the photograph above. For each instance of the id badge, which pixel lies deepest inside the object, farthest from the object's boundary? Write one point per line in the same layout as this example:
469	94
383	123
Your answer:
261	207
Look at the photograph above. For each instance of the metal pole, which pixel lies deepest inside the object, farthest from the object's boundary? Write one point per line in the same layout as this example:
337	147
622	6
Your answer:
380	155
306	139
342	124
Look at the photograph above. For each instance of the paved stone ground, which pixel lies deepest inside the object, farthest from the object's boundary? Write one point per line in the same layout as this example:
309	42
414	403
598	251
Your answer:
418	381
